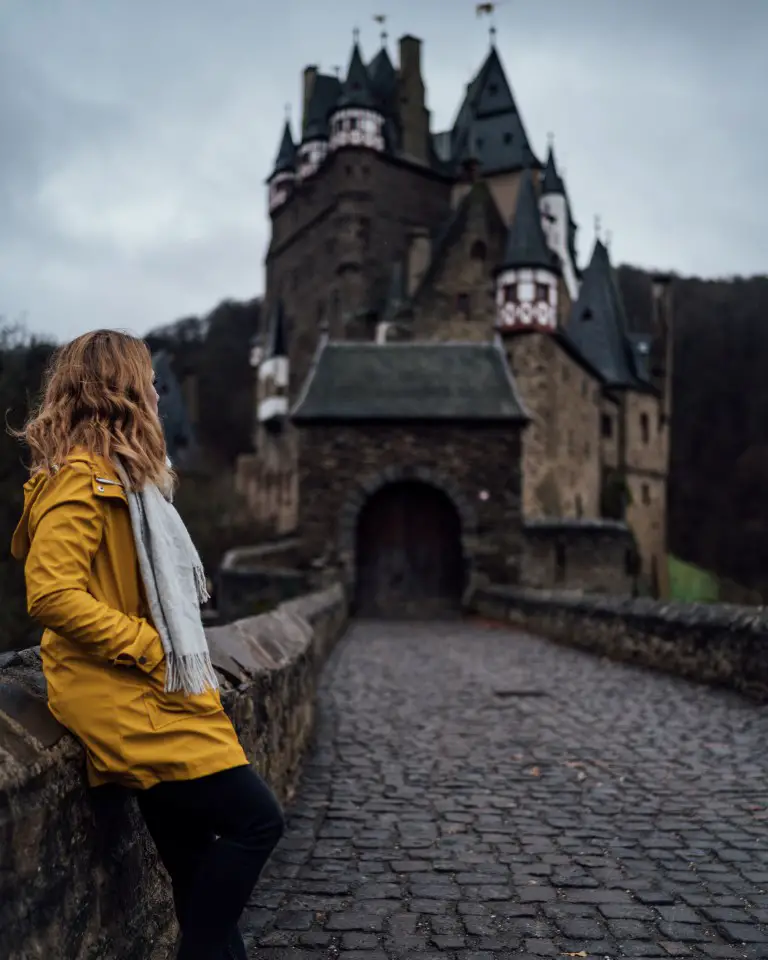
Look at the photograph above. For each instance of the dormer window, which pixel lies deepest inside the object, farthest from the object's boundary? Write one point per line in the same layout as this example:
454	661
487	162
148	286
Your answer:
587	315
493	89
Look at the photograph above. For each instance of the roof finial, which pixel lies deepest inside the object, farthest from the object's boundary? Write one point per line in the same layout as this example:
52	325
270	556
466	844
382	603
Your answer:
608	240
287	113
487	10
356	35
597	226
550	140
381	19
337	71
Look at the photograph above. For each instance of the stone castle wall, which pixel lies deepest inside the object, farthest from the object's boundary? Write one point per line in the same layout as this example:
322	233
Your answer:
588	556
79	879
716	644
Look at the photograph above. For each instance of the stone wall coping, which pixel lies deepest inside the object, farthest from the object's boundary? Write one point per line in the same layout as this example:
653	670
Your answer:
718	616
241	558
574	525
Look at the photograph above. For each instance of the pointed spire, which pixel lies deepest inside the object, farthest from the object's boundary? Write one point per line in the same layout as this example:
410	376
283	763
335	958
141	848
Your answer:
278	340
526	244
356	90
553	182
285	162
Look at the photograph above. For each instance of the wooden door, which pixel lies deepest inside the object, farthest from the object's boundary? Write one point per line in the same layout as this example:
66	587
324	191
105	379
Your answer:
409	554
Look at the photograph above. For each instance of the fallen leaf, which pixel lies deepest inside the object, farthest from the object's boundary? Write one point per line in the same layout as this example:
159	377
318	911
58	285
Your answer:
581	953
535	772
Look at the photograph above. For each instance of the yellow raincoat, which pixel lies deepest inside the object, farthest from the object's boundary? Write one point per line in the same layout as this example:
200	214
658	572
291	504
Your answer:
102	658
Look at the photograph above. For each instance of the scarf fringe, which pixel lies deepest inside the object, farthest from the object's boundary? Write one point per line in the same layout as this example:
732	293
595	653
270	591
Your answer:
194	674
201	586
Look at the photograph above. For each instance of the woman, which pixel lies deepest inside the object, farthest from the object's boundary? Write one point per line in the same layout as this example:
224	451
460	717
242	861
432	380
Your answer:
113	577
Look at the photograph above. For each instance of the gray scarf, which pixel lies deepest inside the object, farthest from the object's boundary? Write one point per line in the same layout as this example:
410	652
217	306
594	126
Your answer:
174	582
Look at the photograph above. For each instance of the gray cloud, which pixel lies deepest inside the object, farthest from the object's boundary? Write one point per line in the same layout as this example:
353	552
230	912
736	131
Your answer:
135	138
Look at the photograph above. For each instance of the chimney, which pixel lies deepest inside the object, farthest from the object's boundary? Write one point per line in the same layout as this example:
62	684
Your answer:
310	75
419	257
414	116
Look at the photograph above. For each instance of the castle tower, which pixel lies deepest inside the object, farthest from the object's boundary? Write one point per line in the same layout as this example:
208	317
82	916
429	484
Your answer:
356	120
559	226
527	281
272	383
283	176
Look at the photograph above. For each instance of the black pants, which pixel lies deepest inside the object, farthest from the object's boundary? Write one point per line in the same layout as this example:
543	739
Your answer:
213	836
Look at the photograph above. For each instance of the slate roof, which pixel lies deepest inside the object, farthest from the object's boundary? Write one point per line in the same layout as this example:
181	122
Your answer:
383	77
526	244
597	325
325	92
286	155
553	182
357	90
409	381
489	127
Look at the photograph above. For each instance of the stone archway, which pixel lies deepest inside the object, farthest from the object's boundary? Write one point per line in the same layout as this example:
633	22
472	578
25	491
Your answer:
403	540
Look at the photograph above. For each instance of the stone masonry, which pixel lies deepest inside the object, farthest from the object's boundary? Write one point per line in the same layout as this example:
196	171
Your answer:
477	793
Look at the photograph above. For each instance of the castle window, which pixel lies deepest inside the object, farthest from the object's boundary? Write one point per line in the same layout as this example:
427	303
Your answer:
510	293
542	292
645	427
462	303
646	494
493	89
606	426
478	250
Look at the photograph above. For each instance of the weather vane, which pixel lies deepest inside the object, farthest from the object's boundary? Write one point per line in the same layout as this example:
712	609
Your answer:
488	10
381	19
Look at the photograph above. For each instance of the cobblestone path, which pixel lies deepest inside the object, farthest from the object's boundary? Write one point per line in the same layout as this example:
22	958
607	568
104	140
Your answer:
477	794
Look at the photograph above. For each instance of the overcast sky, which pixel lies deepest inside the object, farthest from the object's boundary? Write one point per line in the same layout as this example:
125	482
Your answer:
135	135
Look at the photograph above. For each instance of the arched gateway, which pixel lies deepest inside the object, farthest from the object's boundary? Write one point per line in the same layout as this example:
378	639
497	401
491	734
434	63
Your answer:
408	553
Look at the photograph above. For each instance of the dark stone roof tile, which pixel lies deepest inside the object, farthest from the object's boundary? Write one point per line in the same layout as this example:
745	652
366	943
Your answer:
597	325
286	155
409	381
325	94
526	244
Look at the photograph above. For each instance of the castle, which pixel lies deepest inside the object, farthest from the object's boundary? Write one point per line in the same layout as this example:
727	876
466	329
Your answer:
444	396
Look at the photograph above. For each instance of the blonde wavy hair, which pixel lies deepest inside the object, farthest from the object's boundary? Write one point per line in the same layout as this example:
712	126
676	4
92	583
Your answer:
98	395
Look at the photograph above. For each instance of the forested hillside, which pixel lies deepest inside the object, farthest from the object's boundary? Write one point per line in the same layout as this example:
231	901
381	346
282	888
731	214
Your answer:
718	510
719	471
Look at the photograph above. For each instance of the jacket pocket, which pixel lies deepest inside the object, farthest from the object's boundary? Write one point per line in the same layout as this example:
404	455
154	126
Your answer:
166	709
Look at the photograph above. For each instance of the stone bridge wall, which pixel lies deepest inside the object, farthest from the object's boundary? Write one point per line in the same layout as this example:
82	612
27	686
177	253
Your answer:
719	644
78	875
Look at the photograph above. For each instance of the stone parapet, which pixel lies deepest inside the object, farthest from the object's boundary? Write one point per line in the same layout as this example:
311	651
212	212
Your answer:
78	875
718	644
